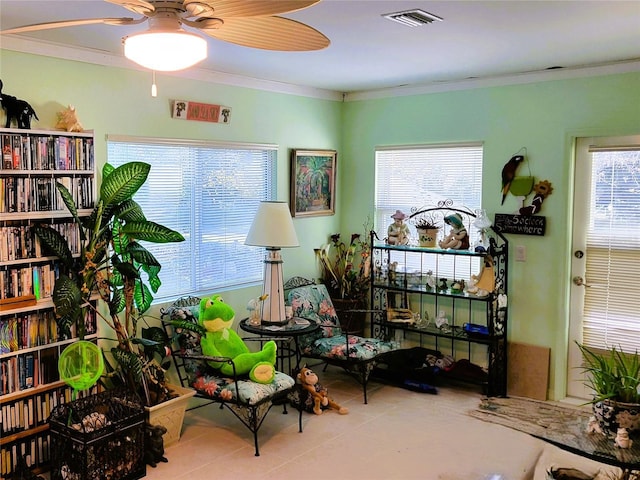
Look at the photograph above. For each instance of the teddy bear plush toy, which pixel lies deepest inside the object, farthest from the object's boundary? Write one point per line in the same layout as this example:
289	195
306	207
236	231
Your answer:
221	341
309	382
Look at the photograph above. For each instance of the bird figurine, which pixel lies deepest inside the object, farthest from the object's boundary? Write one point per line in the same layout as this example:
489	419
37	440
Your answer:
509	173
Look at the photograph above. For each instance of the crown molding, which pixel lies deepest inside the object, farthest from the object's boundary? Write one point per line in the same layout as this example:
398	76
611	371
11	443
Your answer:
498	80
97	57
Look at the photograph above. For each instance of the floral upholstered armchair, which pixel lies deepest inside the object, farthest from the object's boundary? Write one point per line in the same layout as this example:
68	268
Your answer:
247	400
358	355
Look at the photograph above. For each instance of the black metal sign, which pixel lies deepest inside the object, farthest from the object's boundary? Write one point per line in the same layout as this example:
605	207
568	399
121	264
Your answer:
520	224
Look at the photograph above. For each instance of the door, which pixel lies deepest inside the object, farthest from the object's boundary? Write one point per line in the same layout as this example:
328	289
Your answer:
605	260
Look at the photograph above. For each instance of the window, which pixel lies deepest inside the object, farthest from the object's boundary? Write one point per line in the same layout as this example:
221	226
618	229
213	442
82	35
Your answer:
409	177
611	313
209	192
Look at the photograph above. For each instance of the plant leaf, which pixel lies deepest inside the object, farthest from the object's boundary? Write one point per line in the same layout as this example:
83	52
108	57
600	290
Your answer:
142	255
157	339
54	241
116	304
153	280
67	298
126	269
67	198
116	278
152	232
129	211
142	296
107	169
189	326
123	182
129	362
120	240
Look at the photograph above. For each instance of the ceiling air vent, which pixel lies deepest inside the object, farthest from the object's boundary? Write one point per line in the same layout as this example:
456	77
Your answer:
413	18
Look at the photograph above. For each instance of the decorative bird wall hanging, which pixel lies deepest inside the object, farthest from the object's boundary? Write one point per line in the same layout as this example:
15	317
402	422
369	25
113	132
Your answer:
509	173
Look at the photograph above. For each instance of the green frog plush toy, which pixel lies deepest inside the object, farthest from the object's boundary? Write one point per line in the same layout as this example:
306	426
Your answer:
221	341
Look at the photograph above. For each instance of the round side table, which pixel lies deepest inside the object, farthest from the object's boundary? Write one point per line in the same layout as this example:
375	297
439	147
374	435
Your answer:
294	329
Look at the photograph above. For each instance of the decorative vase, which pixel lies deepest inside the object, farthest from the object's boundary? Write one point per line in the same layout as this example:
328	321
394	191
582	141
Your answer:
427	237
612	415
170	414
352	322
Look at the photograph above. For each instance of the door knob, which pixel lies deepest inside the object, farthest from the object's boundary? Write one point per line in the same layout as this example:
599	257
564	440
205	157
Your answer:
579	281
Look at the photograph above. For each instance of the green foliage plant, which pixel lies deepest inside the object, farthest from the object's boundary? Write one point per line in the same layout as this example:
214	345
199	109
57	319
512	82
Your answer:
114	266
612	375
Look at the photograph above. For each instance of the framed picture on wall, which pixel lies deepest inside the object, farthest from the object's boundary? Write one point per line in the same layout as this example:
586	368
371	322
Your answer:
313	182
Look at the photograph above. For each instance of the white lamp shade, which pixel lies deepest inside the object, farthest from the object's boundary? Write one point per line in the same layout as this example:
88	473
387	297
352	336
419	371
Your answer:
165	50
272	227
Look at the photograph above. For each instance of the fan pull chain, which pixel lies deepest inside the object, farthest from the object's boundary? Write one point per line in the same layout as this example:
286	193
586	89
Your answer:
154	87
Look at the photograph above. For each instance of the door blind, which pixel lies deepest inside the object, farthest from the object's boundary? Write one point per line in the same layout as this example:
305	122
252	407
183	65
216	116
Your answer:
611	307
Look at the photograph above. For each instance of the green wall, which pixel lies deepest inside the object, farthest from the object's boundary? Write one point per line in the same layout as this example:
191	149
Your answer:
544	117
118	101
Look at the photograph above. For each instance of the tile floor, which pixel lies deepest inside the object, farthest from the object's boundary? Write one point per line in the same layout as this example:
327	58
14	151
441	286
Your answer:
399	435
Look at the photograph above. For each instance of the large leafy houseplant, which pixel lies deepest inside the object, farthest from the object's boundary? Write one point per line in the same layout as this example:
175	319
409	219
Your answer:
116	268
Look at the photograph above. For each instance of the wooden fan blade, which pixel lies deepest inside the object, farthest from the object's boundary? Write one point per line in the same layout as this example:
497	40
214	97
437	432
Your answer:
249	8
270	33
136	6
73	23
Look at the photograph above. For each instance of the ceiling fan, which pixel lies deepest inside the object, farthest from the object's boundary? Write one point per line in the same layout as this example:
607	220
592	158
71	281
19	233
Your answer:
250	23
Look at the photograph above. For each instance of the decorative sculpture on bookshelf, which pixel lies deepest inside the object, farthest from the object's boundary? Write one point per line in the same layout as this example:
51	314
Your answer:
16	109
68	120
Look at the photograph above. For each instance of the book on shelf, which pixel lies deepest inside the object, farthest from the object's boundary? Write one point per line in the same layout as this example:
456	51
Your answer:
32	151
33	451
7	154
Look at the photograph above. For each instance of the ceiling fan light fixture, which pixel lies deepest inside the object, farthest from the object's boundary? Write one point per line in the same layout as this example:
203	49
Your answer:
165	50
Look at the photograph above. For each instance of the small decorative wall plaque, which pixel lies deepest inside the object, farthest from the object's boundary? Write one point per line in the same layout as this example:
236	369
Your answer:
202	112
520	224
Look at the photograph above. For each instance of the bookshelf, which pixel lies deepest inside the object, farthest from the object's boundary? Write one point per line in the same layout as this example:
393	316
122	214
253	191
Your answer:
30	344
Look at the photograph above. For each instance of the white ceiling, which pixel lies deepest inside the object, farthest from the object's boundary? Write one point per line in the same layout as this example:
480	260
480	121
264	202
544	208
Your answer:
477	39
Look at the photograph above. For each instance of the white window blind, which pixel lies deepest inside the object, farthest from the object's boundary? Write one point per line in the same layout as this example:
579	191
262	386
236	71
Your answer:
419	176
611	310
210	193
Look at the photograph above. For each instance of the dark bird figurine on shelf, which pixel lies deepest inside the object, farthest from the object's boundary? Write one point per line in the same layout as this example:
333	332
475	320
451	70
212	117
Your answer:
509	173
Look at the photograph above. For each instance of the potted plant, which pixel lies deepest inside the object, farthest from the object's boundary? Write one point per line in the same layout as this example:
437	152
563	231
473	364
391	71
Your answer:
614	377
427	227
114	266
345	271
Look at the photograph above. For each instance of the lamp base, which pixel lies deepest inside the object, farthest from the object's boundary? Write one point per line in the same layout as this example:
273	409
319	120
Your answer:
273	311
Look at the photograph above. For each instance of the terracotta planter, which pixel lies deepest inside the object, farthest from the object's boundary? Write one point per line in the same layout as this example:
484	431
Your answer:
170	414
427	237
612	415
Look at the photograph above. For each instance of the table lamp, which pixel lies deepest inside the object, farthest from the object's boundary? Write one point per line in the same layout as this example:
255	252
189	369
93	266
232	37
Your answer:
272	228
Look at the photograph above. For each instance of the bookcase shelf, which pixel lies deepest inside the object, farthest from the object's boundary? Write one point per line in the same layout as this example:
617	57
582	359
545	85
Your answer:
30	344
